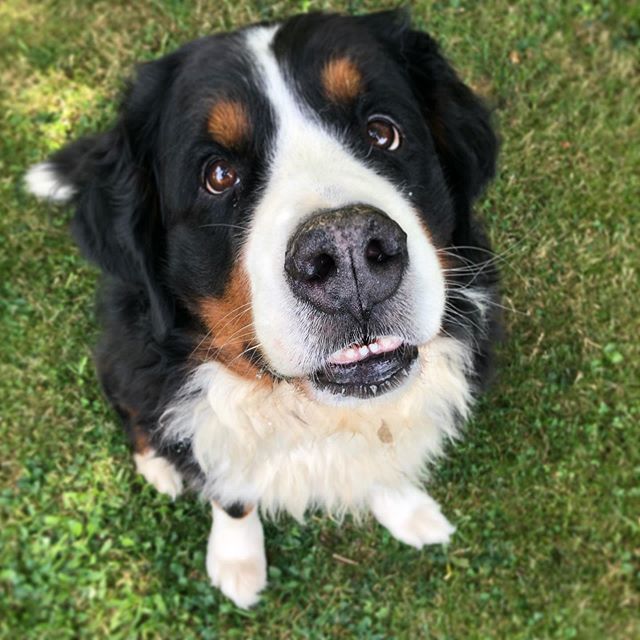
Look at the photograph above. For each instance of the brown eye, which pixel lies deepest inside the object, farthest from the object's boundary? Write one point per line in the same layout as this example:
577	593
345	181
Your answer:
383	134
220	176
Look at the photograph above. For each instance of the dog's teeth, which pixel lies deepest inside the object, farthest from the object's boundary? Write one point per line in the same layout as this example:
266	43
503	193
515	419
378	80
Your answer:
345	356
373	388
389	343
357	353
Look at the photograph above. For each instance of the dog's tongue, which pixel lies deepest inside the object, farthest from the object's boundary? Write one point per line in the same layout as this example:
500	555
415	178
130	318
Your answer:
356	352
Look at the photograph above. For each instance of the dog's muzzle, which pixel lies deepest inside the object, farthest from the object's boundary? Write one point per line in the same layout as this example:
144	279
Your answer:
345	263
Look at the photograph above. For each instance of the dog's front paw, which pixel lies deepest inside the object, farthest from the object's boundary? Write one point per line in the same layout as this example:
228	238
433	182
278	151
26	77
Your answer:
236	561
411	516
424	525
159	472
240	580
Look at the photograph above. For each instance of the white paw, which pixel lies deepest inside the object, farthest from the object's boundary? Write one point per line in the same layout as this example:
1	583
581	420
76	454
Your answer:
411	516
424	525
240	580
159	472
236	561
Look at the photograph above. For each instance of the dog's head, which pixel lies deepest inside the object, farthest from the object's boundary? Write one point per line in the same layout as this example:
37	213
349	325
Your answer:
290	187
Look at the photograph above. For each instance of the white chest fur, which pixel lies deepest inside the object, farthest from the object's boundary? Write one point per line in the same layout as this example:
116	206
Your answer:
277	448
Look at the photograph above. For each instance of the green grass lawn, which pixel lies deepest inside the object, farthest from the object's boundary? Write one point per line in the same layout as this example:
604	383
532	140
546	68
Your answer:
545	489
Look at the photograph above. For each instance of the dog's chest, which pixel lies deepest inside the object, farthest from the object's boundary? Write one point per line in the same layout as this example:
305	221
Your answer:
279	449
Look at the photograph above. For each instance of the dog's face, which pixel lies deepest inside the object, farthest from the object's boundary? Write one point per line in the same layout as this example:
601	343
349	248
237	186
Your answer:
292	187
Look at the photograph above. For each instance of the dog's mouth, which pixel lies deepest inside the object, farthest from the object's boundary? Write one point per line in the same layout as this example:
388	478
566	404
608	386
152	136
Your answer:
366	370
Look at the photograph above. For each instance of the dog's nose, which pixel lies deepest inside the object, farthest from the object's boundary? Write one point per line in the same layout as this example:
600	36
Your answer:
347	260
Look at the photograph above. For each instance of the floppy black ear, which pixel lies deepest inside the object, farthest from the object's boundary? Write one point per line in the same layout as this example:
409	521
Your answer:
459	121
110	179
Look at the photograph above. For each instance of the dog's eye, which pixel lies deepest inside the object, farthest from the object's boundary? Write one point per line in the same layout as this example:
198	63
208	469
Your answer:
383	134
220	176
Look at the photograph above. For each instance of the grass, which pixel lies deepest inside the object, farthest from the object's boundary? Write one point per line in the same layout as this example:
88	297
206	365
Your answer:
545	490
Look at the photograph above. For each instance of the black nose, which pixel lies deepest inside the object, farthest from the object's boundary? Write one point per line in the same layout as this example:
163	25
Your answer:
347	260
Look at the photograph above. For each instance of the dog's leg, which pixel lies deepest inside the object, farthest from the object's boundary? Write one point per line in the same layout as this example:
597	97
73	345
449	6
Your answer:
155	469
411	515
236	560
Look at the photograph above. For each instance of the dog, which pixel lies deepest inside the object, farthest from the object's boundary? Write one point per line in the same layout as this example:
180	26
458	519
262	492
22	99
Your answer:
298	303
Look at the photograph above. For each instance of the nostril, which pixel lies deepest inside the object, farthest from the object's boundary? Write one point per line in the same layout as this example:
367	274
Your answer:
320	268
375	253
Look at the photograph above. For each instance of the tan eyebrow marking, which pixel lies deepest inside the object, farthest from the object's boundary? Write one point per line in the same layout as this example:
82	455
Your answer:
342	80
229	123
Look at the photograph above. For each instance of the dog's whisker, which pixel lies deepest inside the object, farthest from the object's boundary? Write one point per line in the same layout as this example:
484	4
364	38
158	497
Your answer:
224	225
231	317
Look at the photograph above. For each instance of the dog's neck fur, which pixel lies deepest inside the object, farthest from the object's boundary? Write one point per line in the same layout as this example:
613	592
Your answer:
277	448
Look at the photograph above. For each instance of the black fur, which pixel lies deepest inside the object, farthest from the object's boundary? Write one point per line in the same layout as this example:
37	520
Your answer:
162	242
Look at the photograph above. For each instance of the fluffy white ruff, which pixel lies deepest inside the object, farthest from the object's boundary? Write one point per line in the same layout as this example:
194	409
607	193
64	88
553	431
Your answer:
236	560
411	516
281	450
159	472
43	181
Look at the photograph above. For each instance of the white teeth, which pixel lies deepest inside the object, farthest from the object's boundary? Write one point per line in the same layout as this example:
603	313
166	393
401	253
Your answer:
357	353
389	343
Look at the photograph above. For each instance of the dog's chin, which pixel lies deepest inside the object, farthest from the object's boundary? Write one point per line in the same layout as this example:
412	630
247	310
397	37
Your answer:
364	372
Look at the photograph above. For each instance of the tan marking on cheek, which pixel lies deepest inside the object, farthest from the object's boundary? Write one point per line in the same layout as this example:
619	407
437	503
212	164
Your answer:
229	123
447	261
231	339
341	80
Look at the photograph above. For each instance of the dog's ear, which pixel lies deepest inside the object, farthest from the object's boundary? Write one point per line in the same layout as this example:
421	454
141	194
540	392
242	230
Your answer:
459	121
110	179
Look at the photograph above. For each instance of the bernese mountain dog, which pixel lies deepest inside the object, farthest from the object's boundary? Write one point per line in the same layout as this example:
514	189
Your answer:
298	303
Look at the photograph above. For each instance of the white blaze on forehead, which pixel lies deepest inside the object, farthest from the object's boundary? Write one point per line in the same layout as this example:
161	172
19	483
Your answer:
311	169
